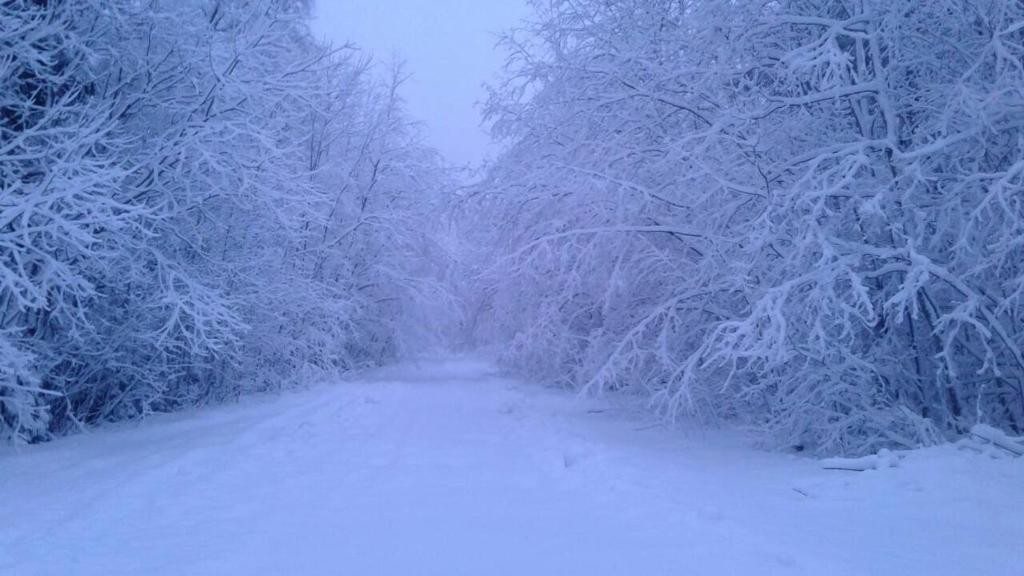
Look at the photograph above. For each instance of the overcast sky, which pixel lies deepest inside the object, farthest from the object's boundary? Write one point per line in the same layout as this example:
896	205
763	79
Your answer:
449	48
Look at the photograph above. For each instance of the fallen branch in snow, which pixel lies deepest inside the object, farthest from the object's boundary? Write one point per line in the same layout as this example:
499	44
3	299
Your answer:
998	438
884	459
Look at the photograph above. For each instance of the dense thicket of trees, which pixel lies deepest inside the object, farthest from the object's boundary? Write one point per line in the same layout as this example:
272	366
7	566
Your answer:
806	215
197	199
803	215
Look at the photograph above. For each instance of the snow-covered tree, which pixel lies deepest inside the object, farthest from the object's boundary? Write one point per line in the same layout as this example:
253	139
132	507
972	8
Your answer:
800	214
198	199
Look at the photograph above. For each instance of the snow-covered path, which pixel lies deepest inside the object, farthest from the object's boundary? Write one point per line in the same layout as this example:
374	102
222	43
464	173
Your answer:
445	468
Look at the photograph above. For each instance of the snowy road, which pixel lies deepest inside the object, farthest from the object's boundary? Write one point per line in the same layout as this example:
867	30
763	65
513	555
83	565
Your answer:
445	468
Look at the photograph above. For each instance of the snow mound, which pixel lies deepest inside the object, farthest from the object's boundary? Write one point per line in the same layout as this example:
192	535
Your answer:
998	438
885	458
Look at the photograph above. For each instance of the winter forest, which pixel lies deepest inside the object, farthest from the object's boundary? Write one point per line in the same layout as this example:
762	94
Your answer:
799	219
199	201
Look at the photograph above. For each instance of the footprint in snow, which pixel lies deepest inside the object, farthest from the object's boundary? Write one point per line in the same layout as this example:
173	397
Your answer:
576	455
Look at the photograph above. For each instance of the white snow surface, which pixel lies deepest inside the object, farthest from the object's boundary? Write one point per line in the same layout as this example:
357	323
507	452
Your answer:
444	467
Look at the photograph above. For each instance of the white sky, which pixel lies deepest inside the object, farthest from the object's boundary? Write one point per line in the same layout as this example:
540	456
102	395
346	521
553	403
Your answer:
449	49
